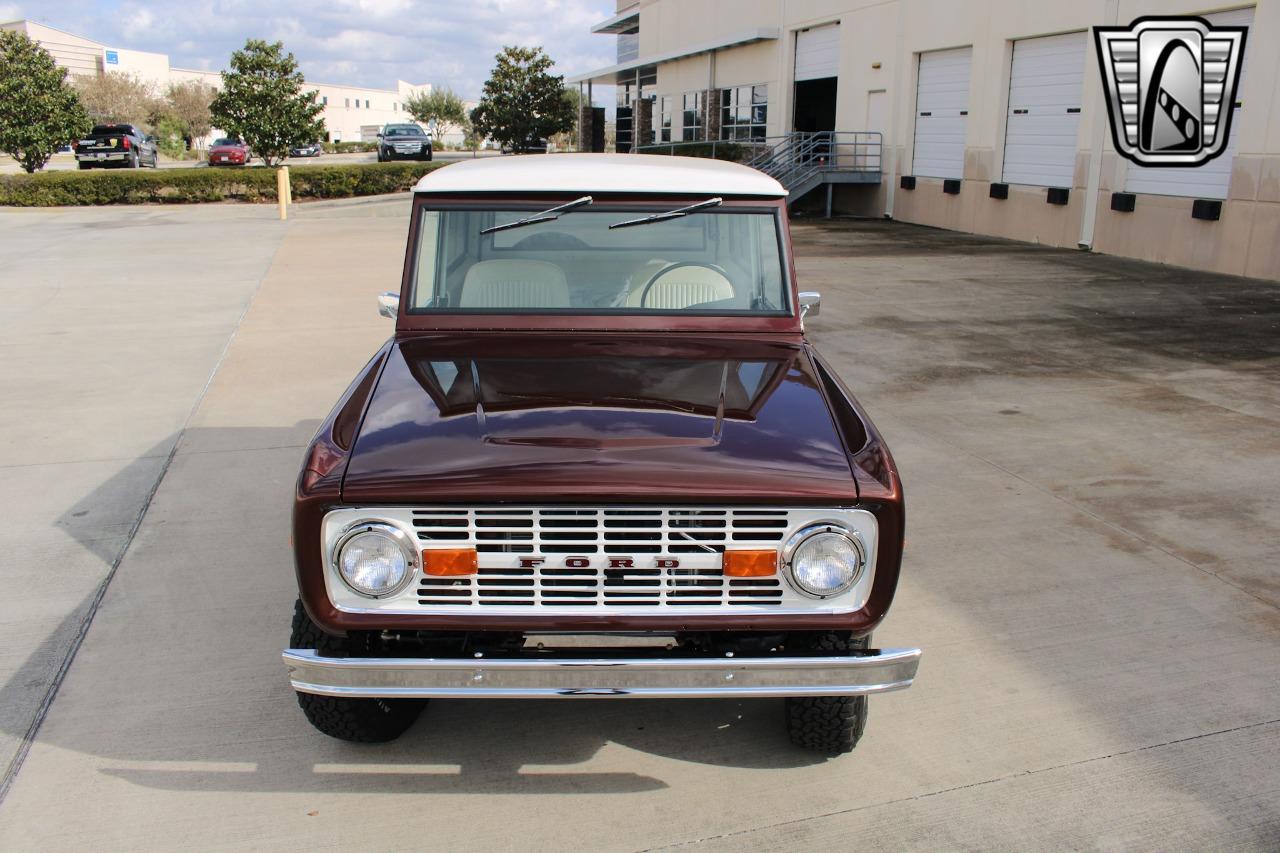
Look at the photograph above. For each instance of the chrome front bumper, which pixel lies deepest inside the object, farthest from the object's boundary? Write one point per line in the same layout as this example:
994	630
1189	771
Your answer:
873	671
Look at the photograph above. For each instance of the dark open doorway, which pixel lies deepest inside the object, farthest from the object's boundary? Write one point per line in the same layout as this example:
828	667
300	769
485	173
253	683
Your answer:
815	104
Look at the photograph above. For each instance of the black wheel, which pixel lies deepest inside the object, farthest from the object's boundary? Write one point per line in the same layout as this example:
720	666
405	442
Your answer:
134	160
155	159
84	165
832	725
357	720
428	155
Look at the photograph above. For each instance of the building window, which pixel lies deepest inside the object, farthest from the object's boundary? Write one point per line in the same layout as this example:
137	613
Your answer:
366	104
665	105
346	102
744	112
692	116
325	100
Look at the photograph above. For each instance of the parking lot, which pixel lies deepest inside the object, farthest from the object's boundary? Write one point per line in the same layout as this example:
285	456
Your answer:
66	162
1091	453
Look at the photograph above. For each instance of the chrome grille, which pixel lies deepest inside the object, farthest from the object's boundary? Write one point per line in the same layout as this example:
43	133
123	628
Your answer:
580	587
607	559
586	532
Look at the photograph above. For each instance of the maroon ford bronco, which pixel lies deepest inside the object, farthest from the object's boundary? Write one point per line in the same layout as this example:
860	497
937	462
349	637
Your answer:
597	459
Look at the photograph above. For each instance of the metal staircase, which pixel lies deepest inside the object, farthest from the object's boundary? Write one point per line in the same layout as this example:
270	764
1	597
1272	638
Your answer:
800	161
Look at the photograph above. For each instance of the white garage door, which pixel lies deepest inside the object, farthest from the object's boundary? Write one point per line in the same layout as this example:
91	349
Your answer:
1211	179
818	52
942	107
1046	84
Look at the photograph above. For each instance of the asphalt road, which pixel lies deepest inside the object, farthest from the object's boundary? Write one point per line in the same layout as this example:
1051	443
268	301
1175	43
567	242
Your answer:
1091	452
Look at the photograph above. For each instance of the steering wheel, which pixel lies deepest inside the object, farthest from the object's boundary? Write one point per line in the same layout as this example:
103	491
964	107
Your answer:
644	294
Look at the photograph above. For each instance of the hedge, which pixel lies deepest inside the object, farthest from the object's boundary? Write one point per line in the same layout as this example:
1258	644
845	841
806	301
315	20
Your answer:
736	152
348	147
206	184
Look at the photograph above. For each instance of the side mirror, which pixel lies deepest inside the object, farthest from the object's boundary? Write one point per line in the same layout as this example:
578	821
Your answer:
810	303
389	305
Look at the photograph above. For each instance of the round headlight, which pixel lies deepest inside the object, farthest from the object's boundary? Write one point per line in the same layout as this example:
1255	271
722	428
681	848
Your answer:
373	559
824	560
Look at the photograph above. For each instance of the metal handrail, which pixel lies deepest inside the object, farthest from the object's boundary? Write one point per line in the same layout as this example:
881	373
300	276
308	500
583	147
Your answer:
794	158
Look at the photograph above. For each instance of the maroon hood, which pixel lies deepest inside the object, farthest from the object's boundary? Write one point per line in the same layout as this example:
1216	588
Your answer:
528	417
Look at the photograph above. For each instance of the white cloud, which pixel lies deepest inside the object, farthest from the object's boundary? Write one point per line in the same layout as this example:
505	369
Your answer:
359	42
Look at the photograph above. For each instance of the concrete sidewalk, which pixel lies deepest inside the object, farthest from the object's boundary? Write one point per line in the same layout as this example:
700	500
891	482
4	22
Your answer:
1092	457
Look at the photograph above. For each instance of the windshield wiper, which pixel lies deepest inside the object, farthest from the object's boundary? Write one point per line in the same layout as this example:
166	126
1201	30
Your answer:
544	216
670	214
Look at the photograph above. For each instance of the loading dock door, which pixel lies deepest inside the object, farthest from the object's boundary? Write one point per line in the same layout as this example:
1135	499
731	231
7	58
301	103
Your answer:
1211	179
818	52
1046	84
942	108
817	67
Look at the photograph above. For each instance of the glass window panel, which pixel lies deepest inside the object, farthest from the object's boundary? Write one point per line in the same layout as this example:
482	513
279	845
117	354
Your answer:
578	265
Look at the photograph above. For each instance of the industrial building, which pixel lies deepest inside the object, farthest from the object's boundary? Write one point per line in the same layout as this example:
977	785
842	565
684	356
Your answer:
351	113
985	116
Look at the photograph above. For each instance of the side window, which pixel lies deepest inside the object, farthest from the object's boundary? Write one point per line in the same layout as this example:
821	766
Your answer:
428	236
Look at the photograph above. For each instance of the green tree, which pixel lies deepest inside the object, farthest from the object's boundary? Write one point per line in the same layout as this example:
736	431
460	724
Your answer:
118	98
263	103
188	103
39	112
171	136
523	102
442	108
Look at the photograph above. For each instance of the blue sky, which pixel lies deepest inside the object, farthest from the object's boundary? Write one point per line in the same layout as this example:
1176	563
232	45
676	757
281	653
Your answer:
358	42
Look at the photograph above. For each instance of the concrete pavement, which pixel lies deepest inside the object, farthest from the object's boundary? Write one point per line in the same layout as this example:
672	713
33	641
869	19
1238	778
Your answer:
1091	455
110	328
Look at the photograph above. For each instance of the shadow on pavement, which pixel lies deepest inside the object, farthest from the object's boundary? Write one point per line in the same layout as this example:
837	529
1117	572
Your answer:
181	733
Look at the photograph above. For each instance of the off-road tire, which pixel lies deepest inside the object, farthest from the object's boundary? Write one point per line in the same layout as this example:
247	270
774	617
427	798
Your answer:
356	720
85	165
831	725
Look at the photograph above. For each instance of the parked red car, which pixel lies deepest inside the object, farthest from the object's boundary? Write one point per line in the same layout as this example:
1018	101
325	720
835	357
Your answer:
229	152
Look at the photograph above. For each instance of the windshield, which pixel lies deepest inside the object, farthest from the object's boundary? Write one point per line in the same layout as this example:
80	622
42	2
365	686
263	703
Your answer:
220	142
404	131
713	261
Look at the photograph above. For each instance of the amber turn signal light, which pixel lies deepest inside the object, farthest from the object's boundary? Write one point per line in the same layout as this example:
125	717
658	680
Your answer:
750	564
449	561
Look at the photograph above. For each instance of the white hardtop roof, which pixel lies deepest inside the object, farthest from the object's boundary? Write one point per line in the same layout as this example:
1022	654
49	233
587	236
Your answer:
600	173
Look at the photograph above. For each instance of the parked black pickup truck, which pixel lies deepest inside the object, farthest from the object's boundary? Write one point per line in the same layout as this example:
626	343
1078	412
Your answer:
122	145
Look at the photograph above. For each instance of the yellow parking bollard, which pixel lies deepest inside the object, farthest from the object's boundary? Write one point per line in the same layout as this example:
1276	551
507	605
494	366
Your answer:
283	191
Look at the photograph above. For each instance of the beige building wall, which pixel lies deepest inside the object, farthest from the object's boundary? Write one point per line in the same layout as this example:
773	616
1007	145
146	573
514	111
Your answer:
75	53
880	44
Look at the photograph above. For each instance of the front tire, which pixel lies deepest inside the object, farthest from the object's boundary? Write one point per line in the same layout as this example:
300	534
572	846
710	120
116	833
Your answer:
85	165
831	725
356	720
